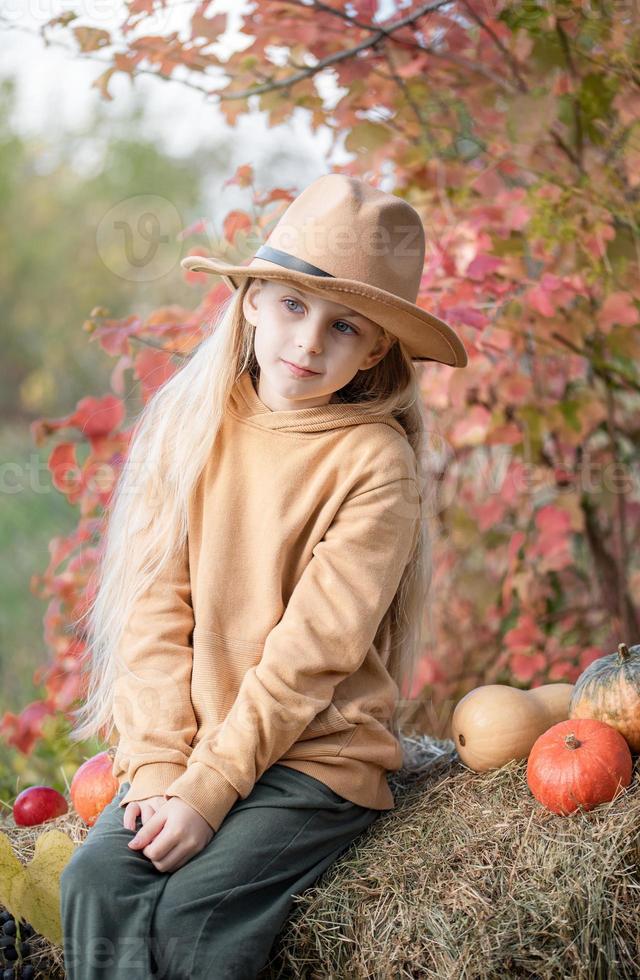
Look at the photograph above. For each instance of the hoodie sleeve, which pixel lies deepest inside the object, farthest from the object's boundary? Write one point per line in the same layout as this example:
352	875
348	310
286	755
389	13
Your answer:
323	636
152	707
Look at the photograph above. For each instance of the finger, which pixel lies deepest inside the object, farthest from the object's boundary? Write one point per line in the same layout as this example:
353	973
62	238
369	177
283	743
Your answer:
146	812
153	807
174	859
162	845
131	815
147	832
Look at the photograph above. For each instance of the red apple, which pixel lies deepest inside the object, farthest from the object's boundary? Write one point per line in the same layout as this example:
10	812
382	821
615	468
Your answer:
93	786
35	804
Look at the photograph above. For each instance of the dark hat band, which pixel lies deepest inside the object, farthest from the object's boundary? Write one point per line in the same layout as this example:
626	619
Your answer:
290	261
299	265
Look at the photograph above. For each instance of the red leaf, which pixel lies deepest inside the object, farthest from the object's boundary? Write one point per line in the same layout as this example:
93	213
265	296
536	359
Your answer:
93	417
91	38
243	176
195	228
525	637
617	308
489	514
98	416
483	266
365	9
524	667
153	368
209	28
589	655
562	671
553	520
472	428
541	301
234	222
24	730
65	469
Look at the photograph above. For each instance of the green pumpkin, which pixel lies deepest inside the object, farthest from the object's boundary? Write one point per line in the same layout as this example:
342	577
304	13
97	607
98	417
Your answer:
609	690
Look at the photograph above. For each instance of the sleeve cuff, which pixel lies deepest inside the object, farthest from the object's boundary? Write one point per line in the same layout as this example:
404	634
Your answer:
207	791
151	779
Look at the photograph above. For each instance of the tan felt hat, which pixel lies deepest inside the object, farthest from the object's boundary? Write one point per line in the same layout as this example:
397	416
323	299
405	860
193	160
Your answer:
345	240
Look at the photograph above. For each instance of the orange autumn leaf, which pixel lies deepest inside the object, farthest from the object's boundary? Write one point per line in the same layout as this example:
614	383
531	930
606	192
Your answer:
234	222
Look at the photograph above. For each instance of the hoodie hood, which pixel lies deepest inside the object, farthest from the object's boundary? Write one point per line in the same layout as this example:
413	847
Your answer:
245	403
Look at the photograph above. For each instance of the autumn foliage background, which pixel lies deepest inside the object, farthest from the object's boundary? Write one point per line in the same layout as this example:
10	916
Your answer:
514	129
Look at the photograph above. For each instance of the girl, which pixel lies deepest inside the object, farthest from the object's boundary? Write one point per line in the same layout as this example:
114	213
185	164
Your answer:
260	598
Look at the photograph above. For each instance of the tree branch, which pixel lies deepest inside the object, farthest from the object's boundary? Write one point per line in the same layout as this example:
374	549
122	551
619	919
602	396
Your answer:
577	114
607	572
415	108
601	369
376	35
513	64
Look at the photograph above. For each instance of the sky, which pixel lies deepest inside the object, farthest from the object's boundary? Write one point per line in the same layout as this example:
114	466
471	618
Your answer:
54	98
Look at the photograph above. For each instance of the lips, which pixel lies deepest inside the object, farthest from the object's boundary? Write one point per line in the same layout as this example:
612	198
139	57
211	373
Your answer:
300	371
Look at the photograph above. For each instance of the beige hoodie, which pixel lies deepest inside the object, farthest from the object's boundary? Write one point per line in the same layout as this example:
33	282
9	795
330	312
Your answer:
258	643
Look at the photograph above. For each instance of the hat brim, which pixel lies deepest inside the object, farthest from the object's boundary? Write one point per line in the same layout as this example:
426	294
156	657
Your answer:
403	319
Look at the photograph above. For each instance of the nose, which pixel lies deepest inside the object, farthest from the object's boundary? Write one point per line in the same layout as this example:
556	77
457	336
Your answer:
310	334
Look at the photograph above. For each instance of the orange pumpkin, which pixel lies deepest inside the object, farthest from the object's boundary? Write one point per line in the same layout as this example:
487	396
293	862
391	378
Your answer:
578	763
93	786
609	690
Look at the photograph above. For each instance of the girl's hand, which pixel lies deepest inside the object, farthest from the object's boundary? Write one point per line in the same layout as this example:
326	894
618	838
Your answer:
172	835
146	809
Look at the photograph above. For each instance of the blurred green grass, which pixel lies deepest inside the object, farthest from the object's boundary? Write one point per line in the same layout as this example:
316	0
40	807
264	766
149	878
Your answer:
32	511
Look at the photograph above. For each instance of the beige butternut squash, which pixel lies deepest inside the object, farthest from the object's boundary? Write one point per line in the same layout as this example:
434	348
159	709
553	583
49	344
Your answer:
495	724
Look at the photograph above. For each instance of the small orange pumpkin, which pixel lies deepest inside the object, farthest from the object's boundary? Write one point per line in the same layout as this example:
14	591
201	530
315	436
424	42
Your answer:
609	690
578	763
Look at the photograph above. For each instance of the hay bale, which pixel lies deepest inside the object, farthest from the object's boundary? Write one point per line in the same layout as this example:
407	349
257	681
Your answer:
468	877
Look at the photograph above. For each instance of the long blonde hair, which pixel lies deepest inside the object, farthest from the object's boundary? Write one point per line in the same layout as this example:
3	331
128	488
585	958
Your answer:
163	463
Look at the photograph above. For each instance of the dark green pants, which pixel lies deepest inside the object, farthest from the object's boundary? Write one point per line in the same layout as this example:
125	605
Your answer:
217	916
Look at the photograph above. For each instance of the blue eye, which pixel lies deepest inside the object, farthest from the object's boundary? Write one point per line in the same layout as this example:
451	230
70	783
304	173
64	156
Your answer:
346	325
295	303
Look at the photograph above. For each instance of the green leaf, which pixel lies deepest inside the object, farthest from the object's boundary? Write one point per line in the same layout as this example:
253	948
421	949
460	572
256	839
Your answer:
32	892
366	136
569	409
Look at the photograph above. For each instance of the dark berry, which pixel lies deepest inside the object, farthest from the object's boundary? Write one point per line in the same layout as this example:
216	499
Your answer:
8	974
9	927
10	953
28	972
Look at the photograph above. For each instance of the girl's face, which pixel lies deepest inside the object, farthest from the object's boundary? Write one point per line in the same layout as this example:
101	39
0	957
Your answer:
312	332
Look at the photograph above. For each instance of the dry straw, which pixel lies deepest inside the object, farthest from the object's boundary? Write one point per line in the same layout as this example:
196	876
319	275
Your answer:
468	878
